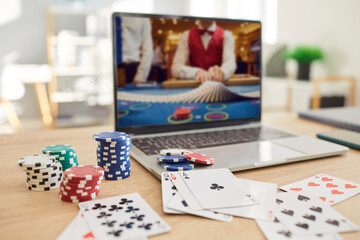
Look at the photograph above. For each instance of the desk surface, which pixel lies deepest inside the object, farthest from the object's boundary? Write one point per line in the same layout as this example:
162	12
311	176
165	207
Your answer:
41	215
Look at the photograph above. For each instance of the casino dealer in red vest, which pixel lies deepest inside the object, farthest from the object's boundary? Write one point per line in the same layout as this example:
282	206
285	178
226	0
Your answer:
205	52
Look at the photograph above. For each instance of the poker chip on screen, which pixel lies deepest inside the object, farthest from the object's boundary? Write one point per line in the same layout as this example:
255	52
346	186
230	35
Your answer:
64	153
182	113
81	183
43	172
113	154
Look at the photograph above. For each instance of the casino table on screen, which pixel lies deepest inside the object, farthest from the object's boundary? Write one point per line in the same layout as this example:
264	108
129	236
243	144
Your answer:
137	113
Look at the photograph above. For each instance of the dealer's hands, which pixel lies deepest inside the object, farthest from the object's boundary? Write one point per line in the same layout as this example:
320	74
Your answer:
213	74
217	74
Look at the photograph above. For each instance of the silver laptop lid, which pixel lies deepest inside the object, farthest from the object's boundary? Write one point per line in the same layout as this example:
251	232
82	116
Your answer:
174	73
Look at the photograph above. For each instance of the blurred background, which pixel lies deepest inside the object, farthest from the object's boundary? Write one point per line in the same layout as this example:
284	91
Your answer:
56	55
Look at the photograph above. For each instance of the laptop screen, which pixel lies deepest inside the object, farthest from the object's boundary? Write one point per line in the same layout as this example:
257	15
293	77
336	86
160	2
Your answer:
176	73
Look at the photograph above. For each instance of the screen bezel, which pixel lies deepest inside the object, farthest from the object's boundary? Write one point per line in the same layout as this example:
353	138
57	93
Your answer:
173	127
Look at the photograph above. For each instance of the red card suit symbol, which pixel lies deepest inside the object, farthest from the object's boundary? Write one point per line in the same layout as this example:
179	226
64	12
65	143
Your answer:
173	176
326	179
270	214
295	189
316	176
350	186
331	185
323	198
89	235
336	192
331	201
312	184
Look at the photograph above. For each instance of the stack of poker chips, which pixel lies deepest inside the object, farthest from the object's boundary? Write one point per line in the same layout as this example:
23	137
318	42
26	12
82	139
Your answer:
113	154
182	159
43	172
81	183
63	153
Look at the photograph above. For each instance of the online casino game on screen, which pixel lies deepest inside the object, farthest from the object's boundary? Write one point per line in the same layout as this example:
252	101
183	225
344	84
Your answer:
178	71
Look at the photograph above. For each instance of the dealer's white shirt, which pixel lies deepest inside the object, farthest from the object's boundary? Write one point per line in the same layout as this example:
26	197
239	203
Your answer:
179	69
137	45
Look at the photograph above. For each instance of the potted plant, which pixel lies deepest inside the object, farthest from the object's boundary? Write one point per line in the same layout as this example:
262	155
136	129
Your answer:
305	55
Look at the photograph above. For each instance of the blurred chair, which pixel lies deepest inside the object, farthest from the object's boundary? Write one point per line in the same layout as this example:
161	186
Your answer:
328	80
38	75
11	89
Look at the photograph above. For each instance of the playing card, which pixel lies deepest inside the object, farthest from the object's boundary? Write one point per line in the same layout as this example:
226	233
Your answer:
275	230
76	230
329	189
122	217
184	191
264	192
179	204
305	214
215	188
168	191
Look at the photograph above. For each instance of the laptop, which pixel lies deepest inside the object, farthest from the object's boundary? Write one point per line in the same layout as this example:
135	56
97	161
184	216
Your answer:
195	83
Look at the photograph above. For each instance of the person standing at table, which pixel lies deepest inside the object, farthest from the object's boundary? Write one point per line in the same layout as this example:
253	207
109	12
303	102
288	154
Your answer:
209	49
135	52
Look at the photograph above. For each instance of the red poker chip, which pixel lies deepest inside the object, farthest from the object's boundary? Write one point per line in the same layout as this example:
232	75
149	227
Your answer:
182	113
84	182
199	158
83	172
65	193
66	188
81	185
78	199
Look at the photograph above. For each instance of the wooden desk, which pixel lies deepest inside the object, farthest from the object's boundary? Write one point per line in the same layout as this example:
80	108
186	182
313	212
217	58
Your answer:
41	215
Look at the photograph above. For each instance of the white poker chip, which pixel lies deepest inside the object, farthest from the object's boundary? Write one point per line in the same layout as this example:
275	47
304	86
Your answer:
43	188
173	151
36	161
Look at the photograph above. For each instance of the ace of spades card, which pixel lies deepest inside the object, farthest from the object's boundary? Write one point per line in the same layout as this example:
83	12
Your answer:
306	214
122	217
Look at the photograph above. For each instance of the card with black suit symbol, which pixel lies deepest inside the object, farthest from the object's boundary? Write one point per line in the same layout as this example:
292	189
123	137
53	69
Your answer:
305	214
216	188
122	217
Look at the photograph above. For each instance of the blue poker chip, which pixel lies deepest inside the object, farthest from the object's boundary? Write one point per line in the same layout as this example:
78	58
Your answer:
120	167
117	153
113	176
171	158
183	166
109	137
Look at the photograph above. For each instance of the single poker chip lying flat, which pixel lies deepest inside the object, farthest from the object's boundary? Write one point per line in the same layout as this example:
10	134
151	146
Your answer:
184	166
173	151
36	161
111	137
199	158
171	158
84	172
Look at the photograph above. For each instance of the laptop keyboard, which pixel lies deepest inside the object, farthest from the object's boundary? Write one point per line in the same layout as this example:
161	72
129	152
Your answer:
153	145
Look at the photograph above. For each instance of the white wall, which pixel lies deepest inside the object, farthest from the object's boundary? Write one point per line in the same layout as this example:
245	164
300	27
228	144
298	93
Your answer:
334	25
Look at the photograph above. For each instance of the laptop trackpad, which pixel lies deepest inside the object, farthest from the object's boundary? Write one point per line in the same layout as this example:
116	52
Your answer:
245	154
